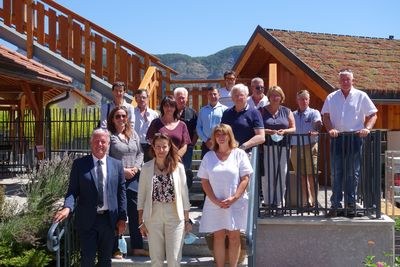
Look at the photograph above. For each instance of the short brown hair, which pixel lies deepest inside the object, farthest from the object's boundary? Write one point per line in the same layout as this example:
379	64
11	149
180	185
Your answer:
117	84
278	90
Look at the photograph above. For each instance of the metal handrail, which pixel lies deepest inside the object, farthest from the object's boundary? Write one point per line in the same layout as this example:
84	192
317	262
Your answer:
62	231
252	213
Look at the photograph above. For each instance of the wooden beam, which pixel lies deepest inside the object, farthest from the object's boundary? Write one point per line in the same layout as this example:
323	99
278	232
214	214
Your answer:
26	87
245	58
29	28
272	75
9	102
88	58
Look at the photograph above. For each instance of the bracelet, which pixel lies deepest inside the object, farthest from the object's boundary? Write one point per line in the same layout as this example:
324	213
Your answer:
141	225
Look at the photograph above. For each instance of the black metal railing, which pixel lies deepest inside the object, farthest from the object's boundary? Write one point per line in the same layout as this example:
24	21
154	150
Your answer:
63	131
307	189
251	231
62	239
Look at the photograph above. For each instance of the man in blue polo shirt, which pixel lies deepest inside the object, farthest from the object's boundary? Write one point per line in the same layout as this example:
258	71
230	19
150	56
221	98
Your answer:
308	121
246	122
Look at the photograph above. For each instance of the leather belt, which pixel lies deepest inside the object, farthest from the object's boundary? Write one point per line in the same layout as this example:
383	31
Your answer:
101	212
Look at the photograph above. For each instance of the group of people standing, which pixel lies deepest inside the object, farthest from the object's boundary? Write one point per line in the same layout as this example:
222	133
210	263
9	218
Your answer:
140	165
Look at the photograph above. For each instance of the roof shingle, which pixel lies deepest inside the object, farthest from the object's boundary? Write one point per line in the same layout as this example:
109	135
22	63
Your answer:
375	61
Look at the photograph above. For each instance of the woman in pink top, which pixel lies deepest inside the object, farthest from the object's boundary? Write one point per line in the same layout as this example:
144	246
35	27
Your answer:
170	125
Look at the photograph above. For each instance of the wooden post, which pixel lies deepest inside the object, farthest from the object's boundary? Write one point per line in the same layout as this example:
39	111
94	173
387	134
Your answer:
167	81
39	134
272	75
88	58
29	28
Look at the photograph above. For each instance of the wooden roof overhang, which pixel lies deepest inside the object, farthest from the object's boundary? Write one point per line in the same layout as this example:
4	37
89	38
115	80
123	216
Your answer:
263	49
25	83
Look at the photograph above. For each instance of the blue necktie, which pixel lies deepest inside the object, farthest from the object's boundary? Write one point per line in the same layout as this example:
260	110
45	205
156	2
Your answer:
100	179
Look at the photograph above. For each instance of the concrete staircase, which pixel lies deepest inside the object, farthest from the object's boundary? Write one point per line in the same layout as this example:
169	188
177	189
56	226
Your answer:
196	254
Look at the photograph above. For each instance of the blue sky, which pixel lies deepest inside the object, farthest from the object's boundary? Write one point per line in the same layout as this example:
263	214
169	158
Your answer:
203	27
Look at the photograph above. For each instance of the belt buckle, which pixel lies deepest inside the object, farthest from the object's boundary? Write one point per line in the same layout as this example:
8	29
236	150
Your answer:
101	212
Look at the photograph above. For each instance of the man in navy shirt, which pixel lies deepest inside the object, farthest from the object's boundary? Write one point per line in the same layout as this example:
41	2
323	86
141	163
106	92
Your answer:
246	122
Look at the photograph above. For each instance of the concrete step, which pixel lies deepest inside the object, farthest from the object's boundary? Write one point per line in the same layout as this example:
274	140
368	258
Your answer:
197	249
186	261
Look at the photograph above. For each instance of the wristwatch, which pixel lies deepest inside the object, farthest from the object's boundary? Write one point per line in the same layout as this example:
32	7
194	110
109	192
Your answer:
242	147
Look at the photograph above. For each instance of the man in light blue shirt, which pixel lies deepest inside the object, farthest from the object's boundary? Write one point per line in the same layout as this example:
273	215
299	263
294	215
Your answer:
305	146
209	116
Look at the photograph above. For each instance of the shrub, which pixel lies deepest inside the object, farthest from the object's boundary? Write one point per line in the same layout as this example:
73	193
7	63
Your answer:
23	232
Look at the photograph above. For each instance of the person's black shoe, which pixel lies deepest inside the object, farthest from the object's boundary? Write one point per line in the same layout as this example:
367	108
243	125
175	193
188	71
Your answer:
332	213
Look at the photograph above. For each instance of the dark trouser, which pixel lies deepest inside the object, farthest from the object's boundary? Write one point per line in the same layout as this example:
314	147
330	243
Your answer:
187	158
134	232
136	237
204	149
346	153
146	152
97	239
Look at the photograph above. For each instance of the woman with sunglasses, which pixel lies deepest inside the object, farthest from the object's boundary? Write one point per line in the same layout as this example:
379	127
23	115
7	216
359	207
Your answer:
125	146
163	202
170	124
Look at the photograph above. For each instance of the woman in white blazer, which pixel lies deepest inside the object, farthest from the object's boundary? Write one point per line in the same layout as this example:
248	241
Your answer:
163	202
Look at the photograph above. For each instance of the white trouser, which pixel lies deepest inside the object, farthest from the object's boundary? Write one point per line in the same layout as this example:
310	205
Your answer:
166	234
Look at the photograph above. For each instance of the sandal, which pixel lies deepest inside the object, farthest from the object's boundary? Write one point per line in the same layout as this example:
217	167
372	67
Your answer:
118	255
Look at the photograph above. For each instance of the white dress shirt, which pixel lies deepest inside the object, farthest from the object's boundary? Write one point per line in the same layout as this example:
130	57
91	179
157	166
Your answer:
348	114
105	191
142	123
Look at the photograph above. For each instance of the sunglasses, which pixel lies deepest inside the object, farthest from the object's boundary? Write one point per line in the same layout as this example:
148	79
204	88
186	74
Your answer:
259	88
119	116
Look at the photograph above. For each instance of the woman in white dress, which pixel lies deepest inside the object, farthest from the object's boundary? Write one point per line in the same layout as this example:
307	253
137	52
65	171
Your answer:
224	174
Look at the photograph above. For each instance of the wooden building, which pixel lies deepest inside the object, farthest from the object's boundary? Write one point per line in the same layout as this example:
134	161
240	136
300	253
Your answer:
303	60
27	84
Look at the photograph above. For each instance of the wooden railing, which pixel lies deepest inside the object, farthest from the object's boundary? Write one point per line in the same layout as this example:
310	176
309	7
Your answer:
198	89
152	82
81	41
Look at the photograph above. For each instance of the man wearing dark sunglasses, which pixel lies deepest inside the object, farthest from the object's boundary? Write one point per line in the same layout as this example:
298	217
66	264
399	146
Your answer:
257	99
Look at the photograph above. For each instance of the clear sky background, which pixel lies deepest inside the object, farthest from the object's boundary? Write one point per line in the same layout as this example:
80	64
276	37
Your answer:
204	27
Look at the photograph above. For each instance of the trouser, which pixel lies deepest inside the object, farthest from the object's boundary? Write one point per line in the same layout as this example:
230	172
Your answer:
346	153
275	170
165	234
97	239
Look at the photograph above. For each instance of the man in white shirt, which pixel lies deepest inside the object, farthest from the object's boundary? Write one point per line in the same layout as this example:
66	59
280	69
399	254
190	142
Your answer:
347	110
118	92
143	117
257	99
225	92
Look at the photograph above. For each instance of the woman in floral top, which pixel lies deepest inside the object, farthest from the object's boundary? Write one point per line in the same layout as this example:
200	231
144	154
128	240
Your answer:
163	202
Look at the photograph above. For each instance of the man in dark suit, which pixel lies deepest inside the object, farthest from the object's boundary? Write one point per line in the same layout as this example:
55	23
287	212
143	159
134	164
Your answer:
97	186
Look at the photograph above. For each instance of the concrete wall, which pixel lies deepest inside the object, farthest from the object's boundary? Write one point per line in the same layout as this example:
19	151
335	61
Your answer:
317	241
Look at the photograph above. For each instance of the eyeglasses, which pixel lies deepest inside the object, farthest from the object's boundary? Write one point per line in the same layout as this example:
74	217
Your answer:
119	116
259	88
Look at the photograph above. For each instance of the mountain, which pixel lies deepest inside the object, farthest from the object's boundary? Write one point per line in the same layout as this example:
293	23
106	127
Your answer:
209	67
